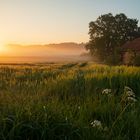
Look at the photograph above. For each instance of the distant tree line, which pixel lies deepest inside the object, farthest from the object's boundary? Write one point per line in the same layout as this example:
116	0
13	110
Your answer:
108	33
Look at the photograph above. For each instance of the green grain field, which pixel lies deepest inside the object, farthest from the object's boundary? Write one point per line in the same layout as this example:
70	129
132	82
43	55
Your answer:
69	101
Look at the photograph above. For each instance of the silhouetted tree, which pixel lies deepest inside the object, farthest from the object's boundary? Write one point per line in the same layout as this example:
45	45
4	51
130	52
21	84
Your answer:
108	33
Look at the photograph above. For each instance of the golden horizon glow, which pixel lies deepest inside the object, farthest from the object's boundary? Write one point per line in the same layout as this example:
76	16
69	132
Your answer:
41	50
53	21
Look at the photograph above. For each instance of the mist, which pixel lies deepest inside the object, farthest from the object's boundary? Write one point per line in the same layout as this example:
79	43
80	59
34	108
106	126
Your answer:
62	52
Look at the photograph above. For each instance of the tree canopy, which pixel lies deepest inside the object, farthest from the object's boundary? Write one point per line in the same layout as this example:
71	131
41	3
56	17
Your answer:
108	33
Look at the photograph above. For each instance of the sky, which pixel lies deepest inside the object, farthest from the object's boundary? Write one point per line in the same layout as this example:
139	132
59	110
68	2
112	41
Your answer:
55	21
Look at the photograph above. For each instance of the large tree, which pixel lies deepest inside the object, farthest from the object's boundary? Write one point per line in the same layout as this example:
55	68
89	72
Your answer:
108	33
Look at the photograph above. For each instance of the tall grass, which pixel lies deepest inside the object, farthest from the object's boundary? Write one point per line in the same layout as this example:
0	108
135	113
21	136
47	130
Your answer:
62	101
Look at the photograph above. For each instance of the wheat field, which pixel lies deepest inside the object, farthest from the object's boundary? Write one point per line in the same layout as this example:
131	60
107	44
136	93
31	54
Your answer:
69	101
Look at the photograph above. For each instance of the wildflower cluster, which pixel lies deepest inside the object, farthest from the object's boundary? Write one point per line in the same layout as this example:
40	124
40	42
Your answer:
97	124
107	92
129	95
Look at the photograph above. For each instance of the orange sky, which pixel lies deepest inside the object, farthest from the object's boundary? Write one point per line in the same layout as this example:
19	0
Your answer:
54	21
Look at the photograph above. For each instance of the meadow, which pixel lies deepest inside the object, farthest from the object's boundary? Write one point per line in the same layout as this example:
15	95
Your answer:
69	101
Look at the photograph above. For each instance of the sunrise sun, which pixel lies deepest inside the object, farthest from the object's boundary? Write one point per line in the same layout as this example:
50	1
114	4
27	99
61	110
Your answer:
3	49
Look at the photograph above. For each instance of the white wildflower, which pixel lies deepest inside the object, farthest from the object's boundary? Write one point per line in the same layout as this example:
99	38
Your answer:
131	99
106	91
130	94
126	88
79	107
96	124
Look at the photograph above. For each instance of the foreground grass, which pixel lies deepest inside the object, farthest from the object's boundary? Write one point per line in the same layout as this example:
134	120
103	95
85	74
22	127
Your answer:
63	102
